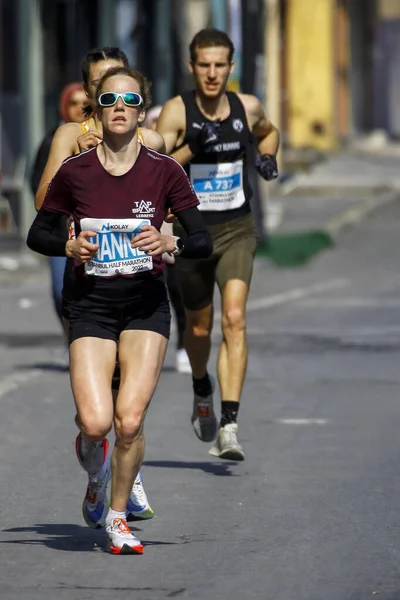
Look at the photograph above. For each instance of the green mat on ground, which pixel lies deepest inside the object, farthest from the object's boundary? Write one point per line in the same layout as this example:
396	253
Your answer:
294	249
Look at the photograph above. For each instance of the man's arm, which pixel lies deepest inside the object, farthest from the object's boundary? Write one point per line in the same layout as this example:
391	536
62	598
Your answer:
63	145
171	125
266	133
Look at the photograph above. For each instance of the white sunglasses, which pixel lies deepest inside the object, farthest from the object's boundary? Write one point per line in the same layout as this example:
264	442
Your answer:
130	99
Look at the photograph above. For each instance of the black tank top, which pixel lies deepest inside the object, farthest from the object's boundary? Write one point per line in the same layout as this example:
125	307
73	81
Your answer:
219	176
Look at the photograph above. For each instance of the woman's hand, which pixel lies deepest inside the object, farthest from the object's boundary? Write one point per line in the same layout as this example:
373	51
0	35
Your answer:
170	217
81	249
152	242
88	140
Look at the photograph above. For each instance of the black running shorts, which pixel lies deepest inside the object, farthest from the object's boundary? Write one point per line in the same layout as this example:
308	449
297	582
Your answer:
132	304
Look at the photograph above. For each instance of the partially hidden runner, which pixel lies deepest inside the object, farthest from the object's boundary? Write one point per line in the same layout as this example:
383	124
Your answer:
181	358
208	130
118	295
72	101
69	140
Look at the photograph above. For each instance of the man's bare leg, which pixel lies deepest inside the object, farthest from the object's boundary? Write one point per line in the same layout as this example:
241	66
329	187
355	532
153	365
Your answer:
232	358
198	339
232	364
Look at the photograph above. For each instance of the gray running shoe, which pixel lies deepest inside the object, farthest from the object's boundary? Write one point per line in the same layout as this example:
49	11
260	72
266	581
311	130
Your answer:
91	455
95	458
203	418
226	445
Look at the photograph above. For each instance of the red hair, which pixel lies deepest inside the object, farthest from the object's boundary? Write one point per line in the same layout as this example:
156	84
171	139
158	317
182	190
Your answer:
65	99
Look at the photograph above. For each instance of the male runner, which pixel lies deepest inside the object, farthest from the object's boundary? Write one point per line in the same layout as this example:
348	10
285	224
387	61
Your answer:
208	130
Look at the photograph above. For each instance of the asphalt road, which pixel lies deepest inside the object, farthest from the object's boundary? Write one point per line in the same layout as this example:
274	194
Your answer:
313	512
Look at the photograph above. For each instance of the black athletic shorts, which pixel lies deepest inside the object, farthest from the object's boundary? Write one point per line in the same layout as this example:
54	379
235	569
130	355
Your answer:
105	309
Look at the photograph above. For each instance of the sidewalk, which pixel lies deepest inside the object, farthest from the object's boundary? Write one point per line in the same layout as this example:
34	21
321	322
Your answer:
307	214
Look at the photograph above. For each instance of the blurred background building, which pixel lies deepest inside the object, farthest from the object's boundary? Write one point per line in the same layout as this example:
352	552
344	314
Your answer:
327	70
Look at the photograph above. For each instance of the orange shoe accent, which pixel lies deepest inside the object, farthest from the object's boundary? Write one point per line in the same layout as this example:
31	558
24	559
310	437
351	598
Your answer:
127	549
90	496
122	525
203	410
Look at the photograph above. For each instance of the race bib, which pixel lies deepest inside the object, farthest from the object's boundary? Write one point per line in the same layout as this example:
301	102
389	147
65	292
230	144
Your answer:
218	187
115	255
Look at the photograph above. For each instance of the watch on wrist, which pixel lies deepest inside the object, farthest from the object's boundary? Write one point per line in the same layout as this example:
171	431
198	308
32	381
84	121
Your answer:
178	245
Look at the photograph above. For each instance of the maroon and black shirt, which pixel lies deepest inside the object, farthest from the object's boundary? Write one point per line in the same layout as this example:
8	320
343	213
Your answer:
82	188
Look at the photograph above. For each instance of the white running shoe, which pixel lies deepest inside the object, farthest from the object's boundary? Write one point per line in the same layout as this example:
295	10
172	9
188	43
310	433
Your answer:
95	459
203	418
121	539
183	362
227	445
138	507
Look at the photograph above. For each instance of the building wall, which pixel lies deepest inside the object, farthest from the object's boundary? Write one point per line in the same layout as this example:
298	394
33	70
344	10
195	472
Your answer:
386	67
310	73
388	9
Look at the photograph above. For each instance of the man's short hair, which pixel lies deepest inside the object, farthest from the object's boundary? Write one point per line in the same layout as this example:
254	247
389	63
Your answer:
211	37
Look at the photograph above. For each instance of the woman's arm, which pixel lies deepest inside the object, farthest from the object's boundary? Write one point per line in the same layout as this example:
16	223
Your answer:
44	238
196	244
153	140
63	146
44	234
198	241
41	158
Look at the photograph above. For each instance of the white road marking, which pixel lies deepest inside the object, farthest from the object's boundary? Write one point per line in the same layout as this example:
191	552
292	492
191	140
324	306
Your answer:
11	382
25	303
8	264
356	213
387	332
303	421
352	302
284	298
295	294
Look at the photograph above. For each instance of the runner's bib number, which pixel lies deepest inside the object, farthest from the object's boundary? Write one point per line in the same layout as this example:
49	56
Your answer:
218	187
115	255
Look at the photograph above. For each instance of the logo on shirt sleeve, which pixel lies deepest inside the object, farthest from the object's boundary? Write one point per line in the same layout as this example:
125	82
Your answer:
237	125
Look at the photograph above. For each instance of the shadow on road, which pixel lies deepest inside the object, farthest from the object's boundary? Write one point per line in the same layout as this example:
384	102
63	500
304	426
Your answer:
221	469
44	366
69	537
64	368
30	340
